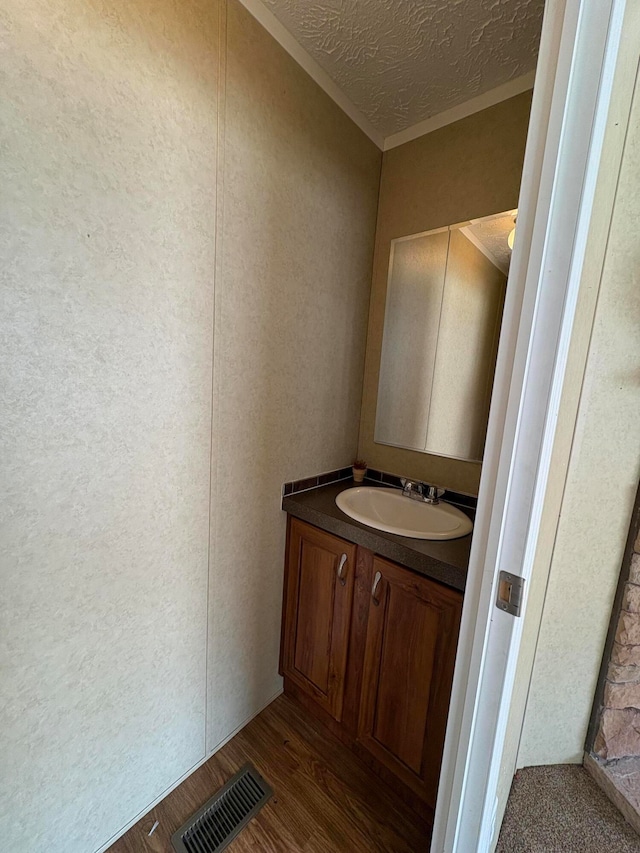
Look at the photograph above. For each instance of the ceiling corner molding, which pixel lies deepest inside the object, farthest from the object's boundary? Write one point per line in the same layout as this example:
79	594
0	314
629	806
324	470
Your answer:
474	105
284	38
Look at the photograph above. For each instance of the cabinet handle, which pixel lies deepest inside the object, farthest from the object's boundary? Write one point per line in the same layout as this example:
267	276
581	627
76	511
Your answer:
374	588
341	571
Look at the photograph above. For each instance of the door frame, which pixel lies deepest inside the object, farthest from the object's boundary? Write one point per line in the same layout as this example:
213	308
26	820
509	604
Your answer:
578	54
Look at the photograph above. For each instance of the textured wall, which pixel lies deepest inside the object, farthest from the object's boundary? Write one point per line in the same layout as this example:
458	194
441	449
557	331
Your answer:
469	169
300	196
403	62
108	186
601	484
108	233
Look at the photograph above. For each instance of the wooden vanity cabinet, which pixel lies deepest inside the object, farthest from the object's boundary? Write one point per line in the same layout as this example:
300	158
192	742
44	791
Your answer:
409	655
373	646
317	613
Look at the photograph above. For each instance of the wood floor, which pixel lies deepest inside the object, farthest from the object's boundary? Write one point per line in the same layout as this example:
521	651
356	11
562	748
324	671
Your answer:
325	800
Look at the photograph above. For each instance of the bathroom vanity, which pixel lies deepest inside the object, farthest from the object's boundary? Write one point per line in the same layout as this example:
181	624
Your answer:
369	635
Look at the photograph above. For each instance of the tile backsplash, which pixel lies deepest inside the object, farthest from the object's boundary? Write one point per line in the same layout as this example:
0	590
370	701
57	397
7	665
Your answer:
372	475
319	480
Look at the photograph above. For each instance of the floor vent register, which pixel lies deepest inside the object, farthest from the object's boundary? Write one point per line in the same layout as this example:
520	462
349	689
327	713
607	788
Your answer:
221	818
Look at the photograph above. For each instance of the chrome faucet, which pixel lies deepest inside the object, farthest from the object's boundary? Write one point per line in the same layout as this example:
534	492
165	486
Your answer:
418	491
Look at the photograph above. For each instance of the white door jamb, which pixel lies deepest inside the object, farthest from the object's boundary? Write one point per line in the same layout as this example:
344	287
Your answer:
572	93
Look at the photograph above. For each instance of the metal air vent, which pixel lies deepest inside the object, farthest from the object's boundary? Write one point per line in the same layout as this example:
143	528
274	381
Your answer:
221	818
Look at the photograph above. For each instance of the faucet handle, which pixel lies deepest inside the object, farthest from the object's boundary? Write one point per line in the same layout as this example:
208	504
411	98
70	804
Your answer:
433	494
410	488
420	491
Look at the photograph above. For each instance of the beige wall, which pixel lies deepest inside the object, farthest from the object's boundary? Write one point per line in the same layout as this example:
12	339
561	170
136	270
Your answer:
604	464
108	194
300	196
469	169
112	224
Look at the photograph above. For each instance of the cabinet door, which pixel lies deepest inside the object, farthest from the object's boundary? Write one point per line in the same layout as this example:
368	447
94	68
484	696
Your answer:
319	593
412	633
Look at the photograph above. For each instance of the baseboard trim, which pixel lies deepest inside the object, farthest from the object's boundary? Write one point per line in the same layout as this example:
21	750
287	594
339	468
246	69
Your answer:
186	775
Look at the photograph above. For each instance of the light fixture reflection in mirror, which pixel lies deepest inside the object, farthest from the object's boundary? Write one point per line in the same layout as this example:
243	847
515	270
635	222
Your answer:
445	295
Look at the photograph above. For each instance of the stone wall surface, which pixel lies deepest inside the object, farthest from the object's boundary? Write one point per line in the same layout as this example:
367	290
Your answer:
619	731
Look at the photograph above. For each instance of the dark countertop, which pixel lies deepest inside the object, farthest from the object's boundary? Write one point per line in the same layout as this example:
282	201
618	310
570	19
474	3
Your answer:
443	560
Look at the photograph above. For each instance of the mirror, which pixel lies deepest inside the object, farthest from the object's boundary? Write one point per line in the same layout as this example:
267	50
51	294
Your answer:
445	295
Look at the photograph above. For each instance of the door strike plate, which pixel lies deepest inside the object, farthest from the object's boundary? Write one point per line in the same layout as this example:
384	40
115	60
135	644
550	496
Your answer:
510	589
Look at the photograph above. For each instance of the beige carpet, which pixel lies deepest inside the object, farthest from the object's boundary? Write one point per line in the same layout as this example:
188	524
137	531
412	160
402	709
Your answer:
560	809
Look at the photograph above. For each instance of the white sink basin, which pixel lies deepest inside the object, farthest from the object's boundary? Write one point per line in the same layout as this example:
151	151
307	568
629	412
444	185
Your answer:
390	510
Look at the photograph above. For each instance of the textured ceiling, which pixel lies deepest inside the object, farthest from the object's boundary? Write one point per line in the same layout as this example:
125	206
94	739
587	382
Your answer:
403	61
490	234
